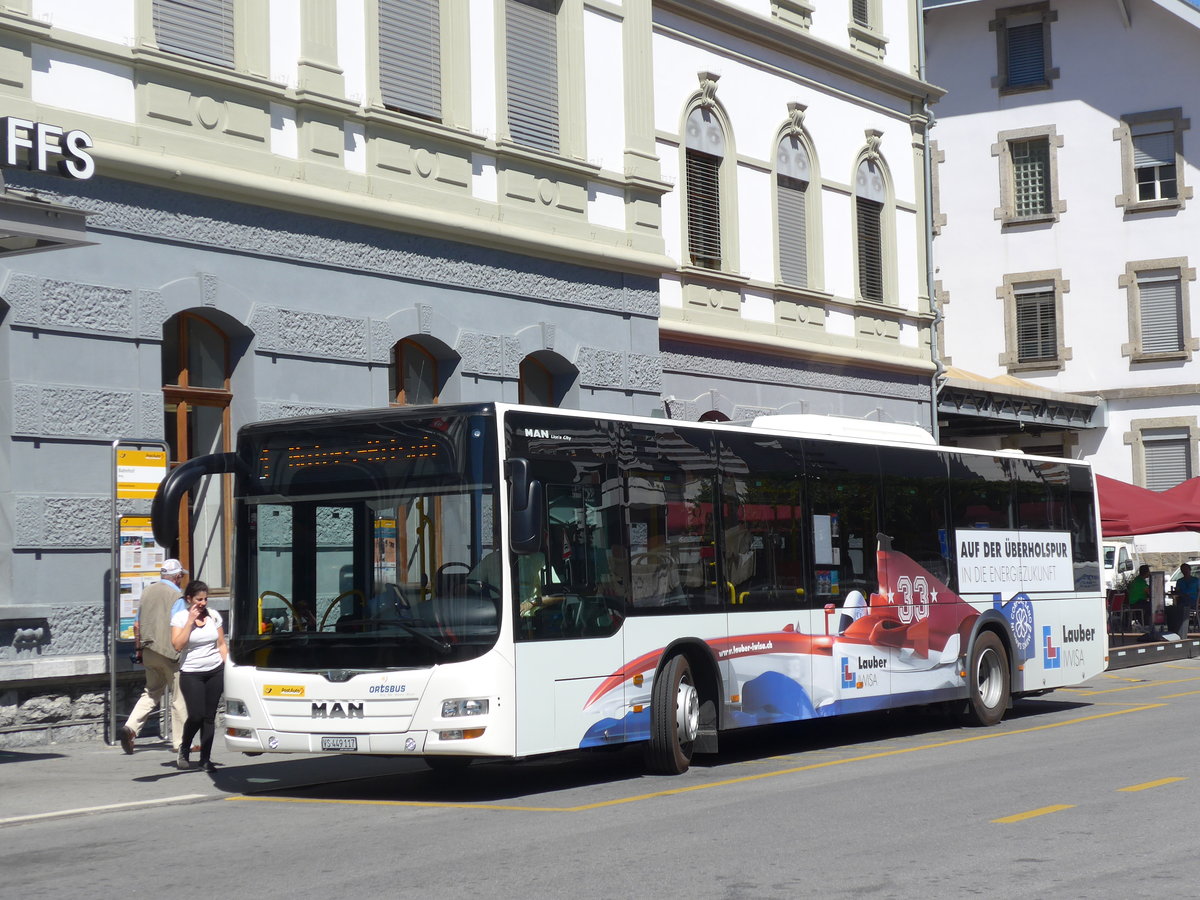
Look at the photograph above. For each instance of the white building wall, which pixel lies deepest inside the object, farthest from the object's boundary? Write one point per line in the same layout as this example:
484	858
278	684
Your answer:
1094	238
102	20
605	86
285	42
352	48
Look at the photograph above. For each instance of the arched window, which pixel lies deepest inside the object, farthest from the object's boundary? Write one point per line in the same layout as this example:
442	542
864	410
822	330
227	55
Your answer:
413	376
546	379
870	198
704	150
196	400
793	174
713	415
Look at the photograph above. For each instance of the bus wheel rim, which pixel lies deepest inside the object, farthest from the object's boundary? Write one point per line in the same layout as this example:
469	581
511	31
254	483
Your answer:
687	712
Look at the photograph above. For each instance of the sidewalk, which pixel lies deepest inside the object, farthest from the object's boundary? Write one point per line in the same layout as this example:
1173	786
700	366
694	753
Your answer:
79	779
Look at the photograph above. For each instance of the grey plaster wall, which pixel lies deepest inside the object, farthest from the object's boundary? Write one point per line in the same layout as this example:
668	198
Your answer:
741	385
313	308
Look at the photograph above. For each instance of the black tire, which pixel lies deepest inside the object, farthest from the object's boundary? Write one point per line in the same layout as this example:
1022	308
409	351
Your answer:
987	681
674	718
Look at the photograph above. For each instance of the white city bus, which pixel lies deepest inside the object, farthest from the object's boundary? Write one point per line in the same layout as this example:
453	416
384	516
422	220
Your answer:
497	581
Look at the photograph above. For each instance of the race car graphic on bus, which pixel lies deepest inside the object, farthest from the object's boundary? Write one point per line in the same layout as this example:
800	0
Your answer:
908	641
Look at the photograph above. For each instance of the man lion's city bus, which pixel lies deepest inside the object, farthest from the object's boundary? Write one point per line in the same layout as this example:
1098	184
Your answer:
497	581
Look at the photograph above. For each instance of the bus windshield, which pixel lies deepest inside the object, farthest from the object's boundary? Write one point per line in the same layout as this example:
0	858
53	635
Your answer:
368	547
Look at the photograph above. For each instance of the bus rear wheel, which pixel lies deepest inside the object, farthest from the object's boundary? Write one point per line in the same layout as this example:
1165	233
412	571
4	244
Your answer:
674	718
987	681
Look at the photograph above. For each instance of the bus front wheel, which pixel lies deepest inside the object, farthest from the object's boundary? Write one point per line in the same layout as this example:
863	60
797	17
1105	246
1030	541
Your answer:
987	678
674	718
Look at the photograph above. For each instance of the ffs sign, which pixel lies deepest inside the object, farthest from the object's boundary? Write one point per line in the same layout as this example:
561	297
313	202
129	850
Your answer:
33	143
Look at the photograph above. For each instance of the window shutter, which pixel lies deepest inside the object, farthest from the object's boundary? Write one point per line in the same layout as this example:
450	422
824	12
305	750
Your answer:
1167	462
1031	177
410	56
793	173
1156	149
1161	313
704	208
1037	330
861	10
1026	55
531	41
197	29
870	248
793	231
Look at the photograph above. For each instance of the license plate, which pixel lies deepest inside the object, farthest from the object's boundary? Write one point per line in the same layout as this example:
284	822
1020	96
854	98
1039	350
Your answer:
339	743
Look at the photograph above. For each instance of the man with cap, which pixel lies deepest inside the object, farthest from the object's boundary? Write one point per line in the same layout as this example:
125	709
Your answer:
152	631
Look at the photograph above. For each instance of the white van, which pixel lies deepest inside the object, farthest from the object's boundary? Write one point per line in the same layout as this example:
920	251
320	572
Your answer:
1118	559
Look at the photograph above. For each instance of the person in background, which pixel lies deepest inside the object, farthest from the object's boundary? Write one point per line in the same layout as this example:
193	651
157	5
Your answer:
152	633
1187	594
199	634
1137	596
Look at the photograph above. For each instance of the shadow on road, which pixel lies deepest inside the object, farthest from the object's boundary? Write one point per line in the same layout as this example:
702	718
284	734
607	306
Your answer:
11	756
535	781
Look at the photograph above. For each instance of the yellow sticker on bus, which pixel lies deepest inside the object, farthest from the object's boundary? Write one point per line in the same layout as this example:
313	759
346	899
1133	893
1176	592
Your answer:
283	690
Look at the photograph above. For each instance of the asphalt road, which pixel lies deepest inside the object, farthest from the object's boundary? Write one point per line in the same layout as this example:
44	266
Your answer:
1086	793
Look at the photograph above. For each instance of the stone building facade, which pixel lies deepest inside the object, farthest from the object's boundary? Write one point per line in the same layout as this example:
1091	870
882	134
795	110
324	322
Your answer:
374	203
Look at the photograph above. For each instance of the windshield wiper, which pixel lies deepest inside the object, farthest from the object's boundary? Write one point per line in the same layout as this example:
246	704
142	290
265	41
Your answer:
441	646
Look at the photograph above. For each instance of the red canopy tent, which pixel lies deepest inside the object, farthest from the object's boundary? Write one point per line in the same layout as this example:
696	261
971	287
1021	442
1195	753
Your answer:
1186	493
1127	509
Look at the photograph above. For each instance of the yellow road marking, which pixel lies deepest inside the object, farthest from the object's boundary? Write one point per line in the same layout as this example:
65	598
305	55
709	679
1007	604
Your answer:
1183	694
1033	813
1128	687
637	798
1151	784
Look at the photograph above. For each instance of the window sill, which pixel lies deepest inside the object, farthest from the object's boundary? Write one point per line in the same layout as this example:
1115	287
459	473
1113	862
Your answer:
867	41
1141	206
1036	365
1164	356
1008	89
699	273
1011	221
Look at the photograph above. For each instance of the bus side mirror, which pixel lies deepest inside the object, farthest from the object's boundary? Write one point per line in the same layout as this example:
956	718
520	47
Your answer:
527	520
164	508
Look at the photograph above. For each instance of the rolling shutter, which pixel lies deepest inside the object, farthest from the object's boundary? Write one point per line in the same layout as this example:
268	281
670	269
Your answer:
793	174
1161	313
410	56
870	249
1026	55
704	209
793	231
1037	330
1167	461
531	41
197	29
1154	149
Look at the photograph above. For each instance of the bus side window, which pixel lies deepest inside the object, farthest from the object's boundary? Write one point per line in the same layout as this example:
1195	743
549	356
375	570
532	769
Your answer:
763	541
915	507
843	494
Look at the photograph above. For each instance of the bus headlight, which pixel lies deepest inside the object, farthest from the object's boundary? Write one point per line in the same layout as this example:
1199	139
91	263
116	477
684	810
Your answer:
468	707
239	732
236	708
